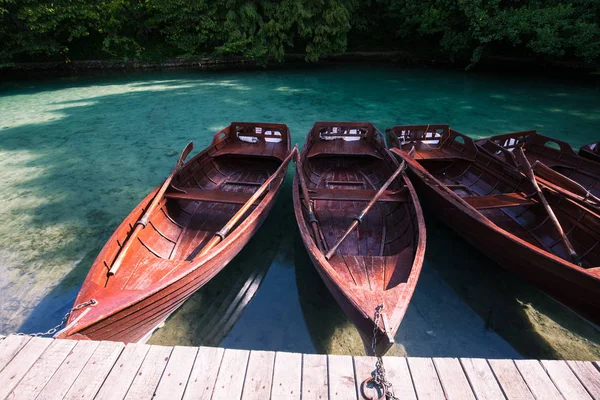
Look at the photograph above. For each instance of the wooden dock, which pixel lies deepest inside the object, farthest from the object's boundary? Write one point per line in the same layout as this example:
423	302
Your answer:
42	368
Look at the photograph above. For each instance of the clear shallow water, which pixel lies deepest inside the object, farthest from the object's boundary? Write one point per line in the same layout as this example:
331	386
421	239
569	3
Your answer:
77	154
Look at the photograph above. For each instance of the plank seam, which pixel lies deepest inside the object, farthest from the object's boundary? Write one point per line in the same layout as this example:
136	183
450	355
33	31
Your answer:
460	361
163	371
579	379
272	372
496	378
187	382
412	379
107	375
136	373
55	371
302	375
435	368
245	374
29	369
80	371
18	351
356	384
218	372
551	380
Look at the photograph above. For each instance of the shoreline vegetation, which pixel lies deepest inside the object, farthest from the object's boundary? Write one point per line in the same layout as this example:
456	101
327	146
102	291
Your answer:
577	70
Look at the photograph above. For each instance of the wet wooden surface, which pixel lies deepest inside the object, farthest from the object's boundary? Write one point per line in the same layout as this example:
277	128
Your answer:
37	368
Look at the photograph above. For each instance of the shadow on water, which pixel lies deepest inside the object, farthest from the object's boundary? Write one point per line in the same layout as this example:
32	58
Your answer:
76	155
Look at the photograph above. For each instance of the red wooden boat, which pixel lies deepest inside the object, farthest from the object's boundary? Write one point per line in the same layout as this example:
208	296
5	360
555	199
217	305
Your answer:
555	154
591	151
341	169
182	234
498	209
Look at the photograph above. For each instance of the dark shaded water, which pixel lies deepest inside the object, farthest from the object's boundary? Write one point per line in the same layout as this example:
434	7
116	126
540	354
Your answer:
77	154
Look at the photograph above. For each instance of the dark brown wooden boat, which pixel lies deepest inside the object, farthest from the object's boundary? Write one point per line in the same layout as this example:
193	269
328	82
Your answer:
555	154
591	151
342	167
497	208
182	234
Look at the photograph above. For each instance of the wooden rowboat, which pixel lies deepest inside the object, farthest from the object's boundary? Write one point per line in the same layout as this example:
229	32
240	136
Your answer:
591	151
342	167
555	154
182	234
499	210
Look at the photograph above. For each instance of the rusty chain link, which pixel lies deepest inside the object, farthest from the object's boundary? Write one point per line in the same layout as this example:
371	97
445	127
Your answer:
52	331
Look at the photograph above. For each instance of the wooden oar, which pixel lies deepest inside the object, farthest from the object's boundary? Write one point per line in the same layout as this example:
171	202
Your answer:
564	182
314	222
143	221
524	163
359	217
219	236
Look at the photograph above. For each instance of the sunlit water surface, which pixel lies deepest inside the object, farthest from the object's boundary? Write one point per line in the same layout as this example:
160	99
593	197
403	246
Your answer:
77	154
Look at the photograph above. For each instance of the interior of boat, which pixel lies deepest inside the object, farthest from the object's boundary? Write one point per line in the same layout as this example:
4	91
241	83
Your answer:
508	199
204	195
343	168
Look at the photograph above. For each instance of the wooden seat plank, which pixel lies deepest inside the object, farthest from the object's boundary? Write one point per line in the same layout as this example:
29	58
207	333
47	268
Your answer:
60	383
212	196
588	375
498	201
315	382
230	380
565	380
482	379
340	370
123	372
357	195
95	371
453	379
259	375
146	380
18	367
398	375
510	380
538	381
287	376
204	374
425	378
337	147
176	374
10	346
42	370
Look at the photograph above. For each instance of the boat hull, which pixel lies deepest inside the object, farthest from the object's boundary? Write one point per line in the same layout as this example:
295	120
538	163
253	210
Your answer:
575	289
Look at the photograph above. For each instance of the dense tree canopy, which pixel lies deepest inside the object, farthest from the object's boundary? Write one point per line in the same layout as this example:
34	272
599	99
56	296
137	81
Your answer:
38	30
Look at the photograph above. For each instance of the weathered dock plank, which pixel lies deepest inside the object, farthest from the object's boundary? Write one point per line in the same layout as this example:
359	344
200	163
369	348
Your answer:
340	370
588	375
482	379
176	375
18	367
538	380
10	346
287	376
259	375
60	383
453	379
399	376
565	380
315	382
42	370
510	380
204	374
94	372
425	378
230	380
363	369
146	380
123	372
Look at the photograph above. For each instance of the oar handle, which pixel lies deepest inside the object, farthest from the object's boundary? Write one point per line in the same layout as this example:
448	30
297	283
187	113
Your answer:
361	215
312	218
223	232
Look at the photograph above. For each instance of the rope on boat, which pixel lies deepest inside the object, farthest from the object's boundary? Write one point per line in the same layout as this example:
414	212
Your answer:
52	331
377	378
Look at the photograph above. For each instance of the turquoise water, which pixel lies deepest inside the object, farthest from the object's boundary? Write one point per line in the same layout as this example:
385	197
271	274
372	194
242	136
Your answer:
77	154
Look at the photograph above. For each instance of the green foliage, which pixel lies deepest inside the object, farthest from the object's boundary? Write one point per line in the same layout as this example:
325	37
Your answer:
265	30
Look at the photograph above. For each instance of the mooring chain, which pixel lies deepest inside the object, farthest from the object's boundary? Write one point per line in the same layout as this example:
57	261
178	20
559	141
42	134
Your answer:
378	378
52	331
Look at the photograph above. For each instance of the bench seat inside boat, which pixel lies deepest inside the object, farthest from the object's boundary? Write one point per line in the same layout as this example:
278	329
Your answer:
424	151
261	148
213	196
340	147
358	195
498	201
